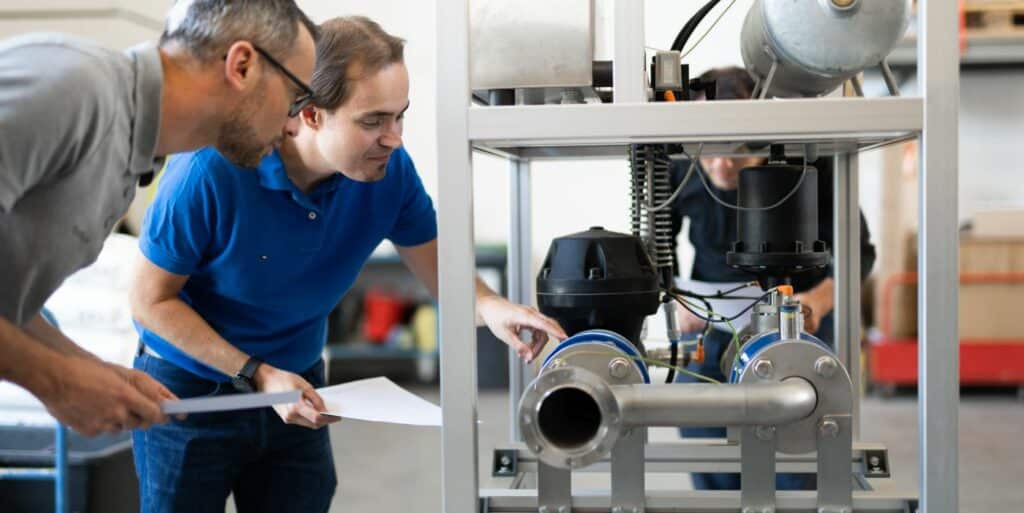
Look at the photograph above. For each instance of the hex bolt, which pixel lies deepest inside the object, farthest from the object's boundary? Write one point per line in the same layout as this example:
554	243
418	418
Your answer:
874	461
505	461
543	509
826	367
764	369
829	428
765	433
617	509
618	368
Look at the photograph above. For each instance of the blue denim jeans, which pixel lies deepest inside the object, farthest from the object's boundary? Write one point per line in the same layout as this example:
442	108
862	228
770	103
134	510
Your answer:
714	346
191	466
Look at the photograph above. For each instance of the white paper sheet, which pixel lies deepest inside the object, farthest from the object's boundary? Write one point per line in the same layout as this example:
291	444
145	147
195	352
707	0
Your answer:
229	402
379	400
725	307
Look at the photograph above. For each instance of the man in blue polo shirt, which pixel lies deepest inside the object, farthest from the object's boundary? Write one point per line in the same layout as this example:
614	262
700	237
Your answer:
241	268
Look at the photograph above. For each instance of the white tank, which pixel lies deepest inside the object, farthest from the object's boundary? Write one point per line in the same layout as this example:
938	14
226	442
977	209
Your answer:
819	44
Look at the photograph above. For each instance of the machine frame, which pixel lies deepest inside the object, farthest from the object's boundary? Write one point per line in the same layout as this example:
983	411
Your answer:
841	126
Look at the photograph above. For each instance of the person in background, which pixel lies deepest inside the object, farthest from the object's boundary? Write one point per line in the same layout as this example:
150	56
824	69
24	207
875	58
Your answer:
712	231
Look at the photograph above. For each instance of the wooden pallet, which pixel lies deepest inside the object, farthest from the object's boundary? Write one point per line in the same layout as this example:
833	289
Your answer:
994	17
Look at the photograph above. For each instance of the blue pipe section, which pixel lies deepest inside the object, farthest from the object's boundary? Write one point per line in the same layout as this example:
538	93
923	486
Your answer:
607	339
754	346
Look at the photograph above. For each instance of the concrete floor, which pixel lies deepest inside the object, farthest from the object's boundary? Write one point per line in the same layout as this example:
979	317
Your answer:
397	469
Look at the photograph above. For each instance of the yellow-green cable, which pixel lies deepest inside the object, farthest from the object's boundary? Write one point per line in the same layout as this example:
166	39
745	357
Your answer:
658	363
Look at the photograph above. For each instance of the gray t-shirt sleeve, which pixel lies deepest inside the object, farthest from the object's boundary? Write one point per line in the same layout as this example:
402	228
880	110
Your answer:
54	109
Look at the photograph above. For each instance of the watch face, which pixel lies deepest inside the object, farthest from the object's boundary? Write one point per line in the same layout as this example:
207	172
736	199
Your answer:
242	384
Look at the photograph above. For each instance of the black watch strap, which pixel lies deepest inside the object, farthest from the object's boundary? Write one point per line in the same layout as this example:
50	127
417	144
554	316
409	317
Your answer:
249	369
243	381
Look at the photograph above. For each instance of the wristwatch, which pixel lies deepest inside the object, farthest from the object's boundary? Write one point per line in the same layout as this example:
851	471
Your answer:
243	381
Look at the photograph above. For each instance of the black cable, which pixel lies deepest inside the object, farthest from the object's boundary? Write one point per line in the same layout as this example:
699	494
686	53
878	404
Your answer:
691	25
720	318
673	358
734	289
673	349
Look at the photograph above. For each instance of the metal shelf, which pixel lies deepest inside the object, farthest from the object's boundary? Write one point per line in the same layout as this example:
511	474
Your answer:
839	125
1001	50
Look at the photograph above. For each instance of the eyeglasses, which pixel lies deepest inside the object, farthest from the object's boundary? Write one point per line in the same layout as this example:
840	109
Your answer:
305	98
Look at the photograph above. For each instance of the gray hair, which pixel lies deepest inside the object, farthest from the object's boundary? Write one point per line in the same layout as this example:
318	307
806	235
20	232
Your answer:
206	28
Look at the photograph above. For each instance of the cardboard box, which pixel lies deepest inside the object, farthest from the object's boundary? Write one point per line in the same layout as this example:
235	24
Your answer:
902	311
998	223
991	256
991	292
991	312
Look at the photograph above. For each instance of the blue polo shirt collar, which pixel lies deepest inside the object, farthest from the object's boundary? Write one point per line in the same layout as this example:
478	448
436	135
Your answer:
273	176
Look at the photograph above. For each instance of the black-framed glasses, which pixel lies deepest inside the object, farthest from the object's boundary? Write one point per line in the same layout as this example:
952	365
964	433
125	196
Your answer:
305	98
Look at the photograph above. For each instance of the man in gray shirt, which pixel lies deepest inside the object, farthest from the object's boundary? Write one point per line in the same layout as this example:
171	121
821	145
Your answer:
80	126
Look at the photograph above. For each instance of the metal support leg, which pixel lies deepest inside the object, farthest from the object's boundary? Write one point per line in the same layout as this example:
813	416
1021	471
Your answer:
628	483
628	75
520	278
858	88
554	489
767	84
890	79
846	265
757	469
835	479
938	261
456	275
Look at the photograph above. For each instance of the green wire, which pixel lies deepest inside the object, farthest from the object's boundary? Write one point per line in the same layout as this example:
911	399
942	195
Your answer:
709	313
658	363
708	31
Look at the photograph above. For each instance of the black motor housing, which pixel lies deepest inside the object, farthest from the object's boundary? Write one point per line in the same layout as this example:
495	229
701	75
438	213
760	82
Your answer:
776	243
598	279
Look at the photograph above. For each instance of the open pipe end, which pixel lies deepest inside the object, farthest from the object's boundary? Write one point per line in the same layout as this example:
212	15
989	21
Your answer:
569	417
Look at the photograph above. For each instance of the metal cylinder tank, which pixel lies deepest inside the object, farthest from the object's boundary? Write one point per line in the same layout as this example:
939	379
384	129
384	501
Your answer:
819	44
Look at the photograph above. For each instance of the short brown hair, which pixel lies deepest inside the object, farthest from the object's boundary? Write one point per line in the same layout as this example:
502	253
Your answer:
345	45
732	83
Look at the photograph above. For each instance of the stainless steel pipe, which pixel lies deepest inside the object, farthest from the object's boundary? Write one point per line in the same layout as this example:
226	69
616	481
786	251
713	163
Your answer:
571	417
699	404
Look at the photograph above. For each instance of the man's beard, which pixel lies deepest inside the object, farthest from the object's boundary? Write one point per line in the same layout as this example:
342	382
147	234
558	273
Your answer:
237	139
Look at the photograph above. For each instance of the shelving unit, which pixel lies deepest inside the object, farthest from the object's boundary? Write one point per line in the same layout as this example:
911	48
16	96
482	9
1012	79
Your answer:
842	127
1005	50
389	271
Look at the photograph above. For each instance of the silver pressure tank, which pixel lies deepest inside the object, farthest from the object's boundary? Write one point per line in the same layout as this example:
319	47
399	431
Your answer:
819	44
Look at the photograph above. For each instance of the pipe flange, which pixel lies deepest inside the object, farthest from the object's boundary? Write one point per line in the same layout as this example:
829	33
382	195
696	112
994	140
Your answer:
552	431
802	359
